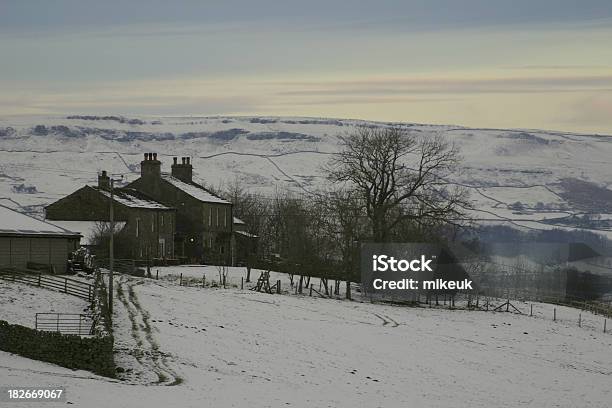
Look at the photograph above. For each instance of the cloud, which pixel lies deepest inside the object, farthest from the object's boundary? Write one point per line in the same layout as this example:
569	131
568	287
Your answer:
447	85
595	110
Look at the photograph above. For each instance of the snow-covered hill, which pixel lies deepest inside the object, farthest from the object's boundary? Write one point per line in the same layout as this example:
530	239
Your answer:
520	176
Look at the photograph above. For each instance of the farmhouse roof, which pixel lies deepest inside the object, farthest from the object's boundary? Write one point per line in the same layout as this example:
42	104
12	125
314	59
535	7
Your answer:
194	190
133	199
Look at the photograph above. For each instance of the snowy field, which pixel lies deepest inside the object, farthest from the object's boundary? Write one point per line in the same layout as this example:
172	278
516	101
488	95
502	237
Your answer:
19	303
192	347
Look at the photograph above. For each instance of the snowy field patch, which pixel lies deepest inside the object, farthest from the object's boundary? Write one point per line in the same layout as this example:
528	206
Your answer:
19	303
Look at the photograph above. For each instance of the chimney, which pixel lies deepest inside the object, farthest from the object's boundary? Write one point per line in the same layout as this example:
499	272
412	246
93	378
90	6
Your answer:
183	171
150	166
103	181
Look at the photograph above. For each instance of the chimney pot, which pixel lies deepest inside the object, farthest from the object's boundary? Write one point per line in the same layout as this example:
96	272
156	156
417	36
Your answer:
183	171
103	180
175	160
150	167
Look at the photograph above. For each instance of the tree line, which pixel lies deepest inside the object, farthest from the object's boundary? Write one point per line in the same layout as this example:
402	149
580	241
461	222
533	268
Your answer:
384	185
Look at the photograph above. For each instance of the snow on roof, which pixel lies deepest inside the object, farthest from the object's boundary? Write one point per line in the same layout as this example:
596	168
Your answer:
238	221
16	223
87	228
246	234
133	199
195	190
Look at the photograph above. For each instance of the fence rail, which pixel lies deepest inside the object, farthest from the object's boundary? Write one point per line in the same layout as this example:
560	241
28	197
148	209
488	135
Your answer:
63	284
65	323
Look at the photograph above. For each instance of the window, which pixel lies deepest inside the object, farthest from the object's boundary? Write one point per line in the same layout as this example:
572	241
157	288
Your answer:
162	220
217	216
153	223
210	217
225	217
138	229
162	247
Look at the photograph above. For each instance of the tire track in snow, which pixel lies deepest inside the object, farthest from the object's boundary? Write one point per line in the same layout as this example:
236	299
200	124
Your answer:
386	320
148	354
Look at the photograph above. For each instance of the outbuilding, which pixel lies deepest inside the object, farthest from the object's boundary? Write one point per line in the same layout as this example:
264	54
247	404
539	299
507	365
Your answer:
26	242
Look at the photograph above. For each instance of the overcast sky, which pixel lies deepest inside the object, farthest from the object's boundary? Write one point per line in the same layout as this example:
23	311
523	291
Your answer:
528	64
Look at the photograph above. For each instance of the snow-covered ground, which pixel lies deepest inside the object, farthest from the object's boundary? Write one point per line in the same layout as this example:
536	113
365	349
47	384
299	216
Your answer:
20	302
192	347
195	275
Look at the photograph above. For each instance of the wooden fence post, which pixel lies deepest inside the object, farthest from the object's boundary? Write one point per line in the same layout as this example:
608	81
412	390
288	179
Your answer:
181	280
310	290
554	314
157	274
531	309
65	285
39	277
579	319
278	286
605	320
242	282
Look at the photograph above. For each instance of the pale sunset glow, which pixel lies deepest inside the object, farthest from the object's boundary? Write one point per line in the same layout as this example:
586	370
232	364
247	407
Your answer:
545	64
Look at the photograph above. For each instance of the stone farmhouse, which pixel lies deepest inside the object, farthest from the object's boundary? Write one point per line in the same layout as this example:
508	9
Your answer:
204	221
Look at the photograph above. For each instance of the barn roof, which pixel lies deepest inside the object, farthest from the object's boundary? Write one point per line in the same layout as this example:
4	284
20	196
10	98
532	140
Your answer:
195	190
15	223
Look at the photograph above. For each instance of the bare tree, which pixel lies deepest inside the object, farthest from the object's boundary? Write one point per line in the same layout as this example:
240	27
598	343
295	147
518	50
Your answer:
400	177
345	218
100	239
